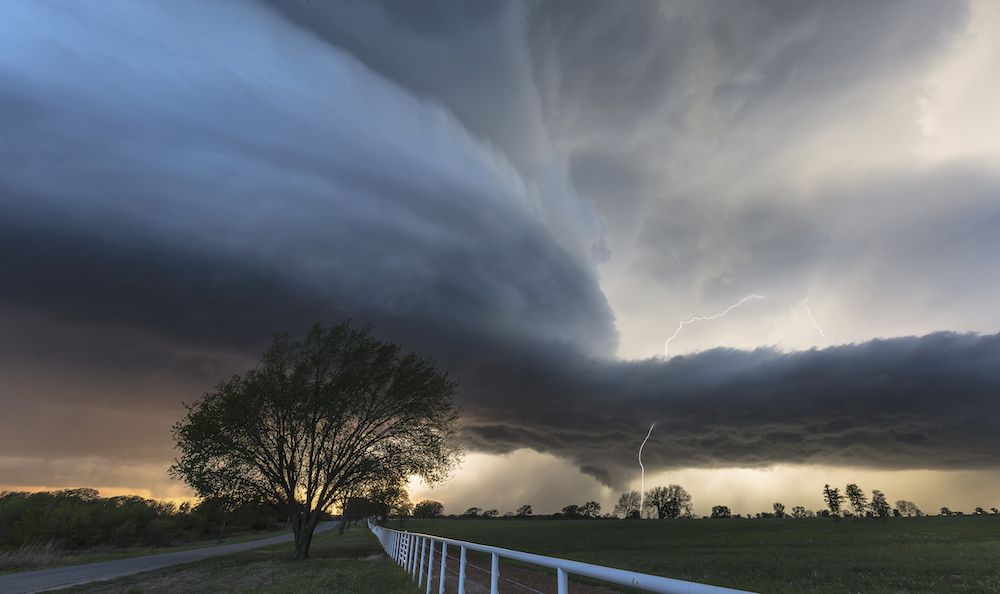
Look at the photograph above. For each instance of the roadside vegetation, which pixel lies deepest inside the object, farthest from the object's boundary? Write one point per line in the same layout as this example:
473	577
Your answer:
77	525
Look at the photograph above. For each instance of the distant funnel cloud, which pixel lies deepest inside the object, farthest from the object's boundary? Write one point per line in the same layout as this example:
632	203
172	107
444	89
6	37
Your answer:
680	326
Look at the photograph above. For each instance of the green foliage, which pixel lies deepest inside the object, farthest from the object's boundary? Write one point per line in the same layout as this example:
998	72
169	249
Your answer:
721	511
571	511
80	518
670	502
879	505
317	422
428	509
859	503
908	509
834	499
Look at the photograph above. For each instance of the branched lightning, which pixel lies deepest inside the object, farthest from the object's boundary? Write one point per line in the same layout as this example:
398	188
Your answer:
813	320
680	326
642	475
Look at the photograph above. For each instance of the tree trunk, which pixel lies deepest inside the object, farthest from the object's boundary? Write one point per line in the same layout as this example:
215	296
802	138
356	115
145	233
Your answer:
304	534
297	531
222	532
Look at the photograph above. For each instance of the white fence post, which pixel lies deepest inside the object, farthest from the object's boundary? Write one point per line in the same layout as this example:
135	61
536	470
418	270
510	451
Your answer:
412	569
461	572
562	581
423	549
495	575
406	551
444	560
430	568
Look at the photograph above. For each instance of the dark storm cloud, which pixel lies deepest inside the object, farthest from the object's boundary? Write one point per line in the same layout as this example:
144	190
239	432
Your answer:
916	402
267	203
179	180
178	198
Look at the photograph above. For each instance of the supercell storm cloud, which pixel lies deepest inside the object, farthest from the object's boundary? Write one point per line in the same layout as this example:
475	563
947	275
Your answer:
524	192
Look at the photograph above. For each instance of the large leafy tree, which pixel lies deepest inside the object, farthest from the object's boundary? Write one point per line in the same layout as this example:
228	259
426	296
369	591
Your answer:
428	509
672	501
316	422
628	505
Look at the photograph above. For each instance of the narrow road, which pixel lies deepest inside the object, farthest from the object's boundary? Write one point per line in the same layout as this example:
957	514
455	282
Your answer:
73	575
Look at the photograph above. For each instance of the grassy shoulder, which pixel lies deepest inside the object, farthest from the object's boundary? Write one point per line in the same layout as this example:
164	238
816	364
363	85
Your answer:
41	557
351	563
956	554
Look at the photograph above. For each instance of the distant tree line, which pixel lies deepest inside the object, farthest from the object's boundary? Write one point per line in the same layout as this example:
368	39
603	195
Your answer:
74	519
673	501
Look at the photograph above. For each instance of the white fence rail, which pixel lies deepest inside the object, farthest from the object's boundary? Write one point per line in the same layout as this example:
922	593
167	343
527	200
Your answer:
415	552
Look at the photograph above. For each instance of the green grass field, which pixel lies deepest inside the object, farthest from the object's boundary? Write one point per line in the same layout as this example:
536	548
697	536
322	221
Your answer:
957	554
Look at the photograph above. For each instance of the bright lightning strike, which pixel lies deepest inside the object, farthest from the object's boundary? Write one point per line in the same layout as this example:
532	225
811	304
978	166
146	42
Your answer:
642	474
680	326
813	320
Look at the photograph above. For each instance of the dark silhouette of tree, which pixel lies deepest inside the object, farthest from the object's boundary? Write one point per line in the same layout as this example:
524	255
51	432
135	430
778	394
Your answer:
779	510
316	421
800	512
428	509
721	511
946	512
472	512
354	509
834	499
591	509
672	501
995	510
524	511
879	506
490	513
571	511
979	511
628	505
859	503
908	509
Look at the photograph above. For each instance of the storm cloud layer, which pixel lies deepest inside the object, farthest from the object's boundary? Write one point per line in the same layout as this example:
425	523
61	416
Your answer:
532	193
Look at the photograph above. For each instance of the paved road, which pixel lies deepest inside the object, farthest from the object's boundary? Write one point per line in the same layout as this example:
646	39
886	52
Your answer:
72	575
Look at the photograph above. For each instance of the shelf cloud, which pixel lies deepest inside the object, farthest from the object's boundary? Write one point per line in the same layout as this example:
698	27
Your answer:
525	193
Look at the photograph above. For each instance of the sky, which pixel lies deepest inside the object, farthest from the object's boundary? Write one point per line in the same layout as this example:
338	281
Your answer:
537	195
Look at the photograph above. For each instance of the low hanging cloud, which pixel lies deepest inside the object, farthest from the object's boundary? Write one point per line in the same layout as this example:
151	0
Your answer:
173	189
925	402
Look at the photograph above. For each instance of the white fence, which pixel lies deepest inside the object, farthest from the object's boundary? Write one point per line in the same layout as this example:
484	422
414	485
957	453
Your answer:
415	553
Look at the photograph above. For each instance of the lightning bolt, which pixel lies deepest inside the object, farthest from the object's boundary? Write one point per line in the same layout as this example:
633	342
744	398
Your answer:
813	320
680	326
642	476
